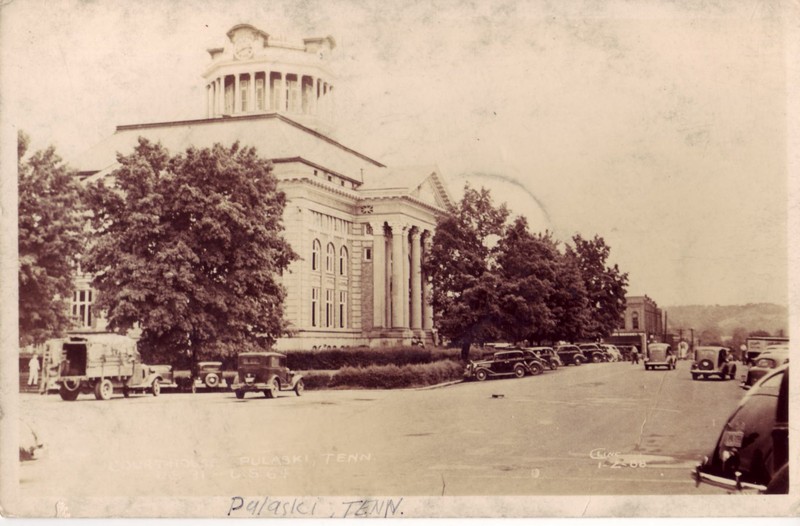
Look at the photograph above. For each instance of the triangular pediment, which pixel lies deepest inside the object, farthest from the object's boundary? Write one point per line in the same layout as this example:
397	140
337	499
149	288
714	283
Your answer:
431	190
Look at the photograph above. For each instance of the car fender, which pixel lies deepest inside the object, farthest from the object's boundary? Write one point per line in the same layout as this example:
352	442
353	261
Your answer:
296	378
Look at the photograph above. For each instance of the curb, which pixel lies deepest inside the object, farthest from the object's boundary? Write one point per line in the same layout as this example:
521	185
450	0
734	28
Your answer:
438	386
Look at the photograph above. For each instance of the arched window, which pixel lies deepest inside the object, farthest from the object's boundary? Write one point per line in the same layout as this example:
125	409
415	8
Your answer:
635	321
343	261
316	248
329	257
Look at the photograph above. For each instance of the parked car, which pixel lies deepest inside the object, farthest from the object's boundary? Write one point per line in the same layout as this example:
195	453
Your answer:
547	355
710	361
659	355
593	352
503	363
766	362
205	375
165	375
265	372
752	452
570	355
613	351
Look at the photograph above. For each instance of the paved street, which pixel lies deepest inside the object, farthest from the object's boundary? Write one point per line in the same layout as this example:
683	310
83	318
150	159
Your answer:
595	429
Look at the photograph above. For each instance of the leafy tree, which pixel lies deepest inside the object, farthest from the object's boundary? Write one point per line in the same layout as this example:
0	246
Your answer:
50	237
569	302
605	286
464	287
527	269
189	249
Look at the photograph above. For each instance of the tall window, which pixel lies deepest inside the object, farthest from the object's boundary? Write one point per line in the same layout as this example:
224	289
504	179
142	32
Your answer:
274	85
316	248
82	307
635	321
229	95
343	261
329	308
259	94
342	308
292	94
244	89
330	255
314	306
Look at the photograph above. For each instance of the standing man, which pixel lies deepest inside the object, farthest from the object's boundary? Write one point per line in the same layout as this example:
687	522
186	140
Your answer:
634	355
33	370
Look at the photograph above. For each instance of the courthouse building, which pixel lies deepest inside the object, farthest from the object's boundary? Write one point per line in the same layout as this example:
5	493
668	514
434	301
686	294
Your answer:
361	228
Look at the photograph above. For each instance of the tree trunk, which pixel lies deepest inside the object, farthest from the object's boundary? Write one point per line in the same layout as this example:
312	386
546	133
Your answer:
465	351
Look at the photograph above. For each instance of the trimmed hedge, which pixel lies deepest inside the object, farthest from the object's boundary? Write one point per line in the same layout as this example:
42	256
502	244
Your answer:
332	359
394	377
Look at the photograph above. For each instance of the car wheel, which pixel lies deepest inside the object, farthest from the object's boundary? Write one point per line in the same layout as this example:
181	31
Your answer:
239	394
596	359
694	376
577	361
481	375
212	380
553	365
299	387
156	389
104	389
536	369
706	364
519	371
69	394
275	386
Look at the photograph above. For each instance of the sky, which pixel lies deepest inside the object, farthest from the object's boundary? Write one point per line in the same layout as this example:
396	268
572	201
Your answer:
660	126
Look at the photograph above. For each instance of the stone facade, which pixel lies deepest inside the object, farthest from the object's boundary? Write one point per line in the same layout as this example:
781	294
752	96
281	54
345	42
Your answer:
361	228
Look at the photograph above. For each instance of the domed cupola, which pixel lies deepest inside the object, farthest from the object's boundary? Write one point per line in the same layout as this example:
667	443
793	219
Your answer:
256	73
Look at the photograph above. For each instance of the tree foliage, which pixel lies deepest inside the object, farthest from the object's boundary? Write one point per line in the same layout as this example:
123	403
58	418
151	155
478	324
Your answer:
605	285
51	234
189	249
464	287
527	268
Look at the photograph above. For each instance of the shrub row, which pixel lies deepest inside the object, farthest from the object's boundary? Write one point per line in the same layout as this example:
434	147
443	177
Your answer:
364	357
393	376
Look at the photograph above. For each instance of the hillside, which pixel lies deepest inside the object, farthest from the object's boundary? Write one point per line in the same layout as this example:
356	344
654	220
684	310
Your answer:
725	318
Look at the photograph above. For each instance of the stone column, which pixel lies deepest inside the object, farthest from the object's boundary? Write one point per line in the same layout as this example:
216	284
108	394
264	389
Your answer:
378	275
416	280
217	97
427	308
398	287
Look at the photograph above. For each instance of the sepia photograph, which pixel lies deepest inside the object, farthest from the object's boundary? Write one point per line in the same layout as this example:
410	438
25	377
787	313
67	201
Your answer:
360	259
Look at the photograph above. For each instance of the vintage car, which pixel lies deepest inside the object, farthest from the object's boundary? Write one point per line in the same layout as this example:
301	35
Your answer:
265	372
766	362
613	352
206	375
570	355
100	363
547	355
752	452
593	352
504	363
659	355
713	361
